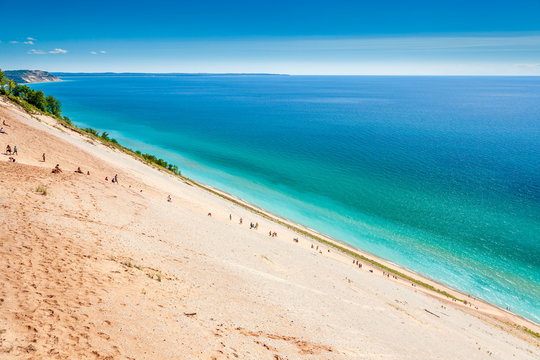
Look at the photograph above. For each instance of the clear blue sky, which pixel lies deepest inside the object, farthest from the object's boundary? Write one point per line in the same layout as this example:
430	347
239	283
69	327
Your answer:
296	37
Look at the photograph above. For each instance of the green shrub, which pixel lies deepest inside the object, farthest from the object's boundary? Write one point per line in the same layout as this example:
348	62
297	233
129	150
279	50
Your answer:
92	131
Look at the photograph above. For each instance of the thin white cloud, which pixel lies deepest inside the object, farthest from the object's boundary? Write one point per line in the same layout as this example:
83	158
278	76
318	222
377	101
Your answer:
29	41
103	52
42	52
93	52
58	51
37	52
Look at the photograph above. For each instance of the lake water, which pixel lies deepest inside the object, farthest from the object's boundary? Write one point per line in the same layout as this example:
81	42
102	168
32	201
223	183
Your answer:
440	175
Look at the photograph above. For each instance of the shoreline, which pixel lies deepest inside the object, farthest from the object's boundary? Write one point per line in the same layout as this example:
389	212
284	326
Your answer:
442	292
426	285
338	252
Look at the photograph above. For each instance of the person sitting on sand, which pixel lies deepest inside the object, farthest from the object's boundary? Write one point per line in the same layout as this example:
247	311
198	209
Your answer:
88	173
4	123
106	178
8	150
57	169
79	170
2	131
11	159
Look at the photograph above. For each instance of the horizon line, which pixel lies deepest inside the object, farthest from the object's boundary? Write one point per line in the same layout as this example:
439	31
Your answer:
280	74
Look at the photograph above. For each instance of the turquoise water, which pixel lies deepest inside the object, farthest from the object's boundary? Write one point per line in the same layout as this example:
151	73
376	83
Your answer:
438	174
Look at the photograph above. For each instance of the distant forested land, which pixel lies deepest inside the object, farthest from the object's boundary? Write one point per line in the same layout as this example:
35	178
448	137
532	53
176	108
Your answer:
30	76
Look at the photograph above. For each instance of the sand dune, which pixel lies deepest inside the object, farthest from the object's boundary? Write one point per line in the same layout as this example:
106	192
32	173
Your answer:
99	270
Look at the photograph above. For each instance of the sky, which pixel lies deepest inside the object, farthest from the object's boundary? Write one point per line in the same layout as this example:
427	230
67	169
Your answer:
384	37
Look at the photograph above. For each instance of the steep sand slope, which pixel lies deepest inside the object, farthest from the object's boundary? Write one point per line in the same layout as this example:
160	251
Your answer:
100	270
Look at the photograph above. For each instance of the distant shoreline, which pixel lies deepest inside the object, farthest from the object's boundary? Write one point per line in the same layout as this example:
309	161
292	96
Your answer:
158	74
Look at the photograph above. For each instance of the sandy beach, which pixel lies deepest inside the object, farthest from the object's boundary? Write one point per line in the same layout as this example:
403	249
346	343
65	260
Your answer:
94	269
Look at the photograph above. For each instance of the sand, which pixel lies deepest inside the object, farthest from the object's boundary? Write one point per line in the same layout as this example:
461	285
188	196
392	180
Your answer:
99	270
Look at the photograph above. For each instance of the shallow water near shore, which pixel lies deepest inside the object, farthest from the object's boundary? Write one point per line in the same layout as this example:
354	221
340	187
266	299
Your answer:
440	175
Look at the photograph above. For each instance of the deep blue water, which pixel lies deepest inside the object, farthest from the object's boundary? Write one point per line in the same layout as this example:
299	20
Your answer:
438	174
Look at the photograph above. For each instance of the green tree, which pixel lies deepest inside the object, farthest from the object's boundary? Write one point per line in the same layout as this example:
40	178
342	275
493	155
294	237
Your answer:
37	98
53	105
22	91
105	136
11	85
3	81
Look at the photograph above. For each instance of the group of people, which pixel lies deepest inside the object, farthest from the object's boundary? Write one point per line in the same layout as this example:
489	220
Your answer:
9	150
113	179
57	170
2	131
13	151
254	226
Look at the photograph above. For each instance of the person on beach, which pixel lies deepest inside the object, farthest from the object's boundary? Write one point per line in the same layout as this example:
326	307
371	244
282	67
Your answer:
209	214
106	178
57	169
270	233
79	170
2	131
11	159
116	178
4	123
15	150
240	222
230	217
8	150
256	226
43	156
169	198
88	172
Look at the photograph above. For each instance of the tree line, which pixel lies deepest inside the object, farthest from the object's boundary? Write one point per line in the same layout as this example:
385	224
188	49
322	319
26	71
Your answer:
29	98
